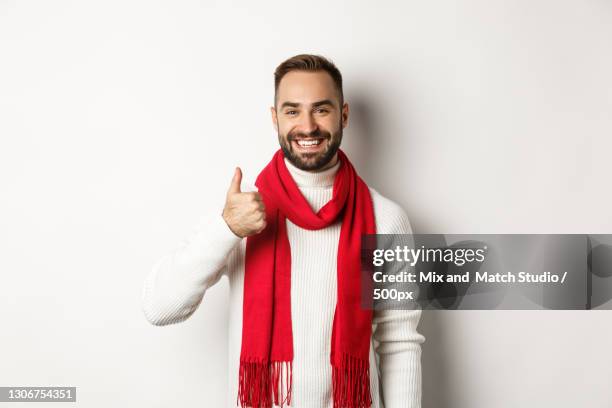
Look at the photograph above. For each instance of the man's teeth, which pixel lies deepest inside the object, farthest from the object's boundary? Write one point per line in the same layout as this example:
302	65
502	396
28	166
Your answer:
308	142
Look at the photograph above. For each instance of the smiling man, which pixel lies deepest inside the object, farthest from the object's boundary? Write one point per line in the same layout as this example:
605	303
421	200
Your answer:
309	141
291	252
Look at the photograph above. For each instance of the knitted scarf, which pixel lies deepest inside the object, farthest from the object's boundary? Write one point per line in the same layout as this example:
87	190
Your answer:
267	343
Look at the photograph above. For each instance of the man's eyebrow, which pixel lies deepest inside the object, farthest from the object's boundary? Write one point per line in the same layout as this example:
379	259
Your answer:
290	104
315	104
323	102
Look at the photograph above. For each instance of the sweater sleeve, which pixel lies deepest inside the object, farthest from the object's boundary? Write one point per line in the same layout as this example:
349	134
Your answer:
176	284
399	342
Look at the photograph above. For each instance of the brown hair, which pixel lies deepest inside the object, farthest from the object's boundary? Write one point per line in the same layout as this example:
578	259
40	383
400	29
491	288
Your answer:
311	63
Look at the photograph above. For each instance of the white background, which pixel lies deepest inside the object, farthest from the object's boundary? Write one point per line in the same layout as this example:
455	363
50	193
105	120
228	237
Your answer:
121	122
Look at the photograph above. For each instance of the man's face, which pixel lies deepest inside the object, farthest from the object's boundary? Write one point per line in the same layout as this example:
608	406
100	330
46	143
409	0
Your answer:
309	119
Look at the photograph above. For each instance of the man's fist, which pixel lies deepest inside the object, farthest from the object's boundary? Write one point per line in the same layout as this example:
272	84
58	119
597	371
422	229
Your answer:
244	213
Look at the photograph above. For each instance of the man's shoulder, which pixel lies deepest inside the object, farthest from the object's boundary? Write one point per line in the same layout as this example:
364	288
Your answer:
390	216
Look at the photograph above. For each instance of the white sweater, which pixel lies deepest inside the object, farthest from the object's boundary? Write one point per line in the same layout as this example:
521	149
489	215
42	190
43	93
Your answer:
174	288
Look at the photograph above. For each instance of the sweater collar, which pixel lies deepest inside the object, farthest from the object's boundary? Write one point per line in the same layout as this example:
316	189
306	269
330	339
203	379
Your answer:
305	178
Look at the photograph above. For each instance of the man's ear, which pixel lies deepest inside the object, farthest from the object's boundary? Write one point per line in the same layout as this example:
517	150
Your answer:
274	118
345	115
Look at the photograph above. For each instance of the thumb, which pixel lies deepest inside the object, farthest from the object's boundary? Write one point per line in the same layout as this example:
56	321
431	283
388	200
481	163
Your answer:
236	180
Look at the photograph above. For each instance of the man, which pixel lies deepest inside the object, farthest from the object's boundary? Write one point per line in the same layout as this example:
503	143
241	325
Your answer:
291	253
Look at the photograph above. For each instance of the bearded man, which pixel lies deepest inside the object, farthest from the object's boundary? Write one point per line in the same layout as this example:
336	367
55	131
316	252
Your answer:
291	252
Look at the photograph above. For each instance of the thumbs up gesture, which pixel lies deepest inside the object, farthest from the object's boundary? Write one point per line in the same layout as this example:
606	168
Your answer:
244	213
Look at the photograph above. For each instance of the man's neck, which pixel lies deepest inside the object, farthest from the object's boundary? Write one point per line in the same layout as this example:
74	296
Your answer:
323	177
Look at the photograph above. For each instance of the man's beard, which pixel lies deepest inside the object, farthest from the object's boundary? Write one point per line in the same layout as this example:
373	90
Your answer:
311	161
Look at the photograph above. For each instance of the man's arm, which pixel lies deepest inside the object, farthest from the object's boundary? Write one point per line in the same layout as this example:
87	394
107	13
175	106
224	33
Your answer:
175	286
399	352
399	348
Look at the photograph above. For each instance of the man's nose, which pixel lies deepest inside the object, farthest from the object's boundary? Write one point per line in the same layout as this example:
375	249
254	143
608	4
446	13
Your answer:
308	124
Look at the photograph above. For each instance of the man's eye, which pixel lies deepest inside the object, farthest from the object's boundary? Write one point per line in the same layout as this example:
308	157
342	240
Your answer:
290	112
322	110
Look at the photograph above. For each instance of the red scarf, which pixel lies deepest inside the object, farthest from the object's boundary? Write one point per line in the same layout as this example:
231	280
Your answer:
267	343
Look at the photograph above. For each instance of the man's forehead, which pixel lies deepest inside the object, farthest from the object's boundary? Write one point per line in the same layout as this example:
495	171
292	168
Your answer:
304	87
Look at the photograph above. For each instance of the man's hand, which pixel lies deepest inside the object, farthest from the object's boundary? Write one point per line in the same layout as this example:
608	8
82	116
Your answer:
244	213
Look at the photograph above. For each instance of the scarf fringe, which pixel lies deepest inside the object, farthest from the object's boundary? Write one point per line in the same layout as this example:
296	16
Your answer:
262	382
351	383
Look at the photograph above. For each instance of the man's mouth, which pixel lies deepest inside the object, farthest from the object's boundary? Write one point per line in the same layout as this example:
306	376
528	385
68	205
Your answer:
308	145
308	142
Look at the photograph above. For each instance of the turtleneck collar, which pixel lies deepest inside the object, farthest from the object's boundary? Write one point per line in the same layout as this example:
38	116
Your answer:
318	179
